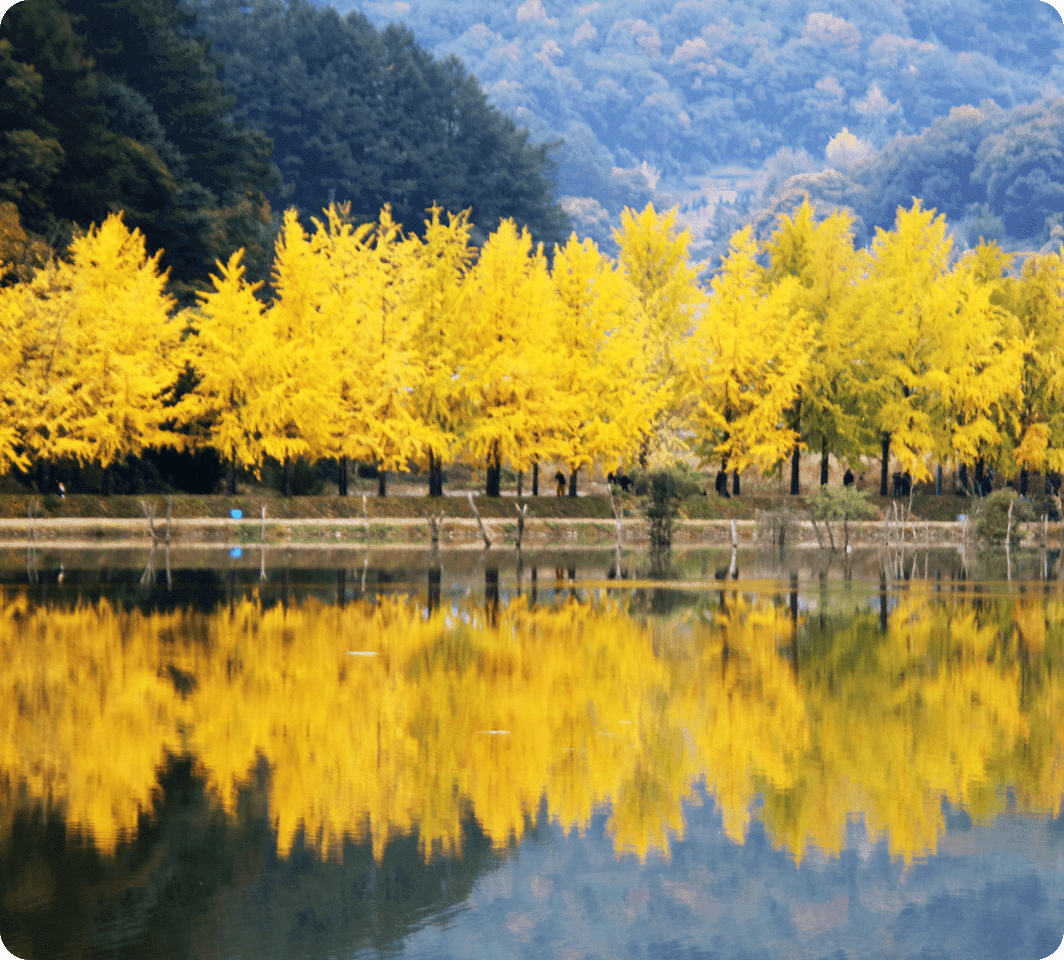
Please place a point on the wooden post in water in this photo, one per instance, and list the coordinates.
(1008, 543)
(480, 523)
(435, 526)
(149, 512)
(522, 512)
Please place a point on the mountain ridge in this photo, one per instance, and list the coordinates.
(696, 102)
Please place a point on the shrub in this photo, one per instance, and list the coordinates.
(682, 480)
(664, 489)
(992, 520)
(832, 504)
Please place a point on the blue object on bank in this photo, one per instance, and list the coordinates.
(236, 552)
(236, 514)
(961, 517)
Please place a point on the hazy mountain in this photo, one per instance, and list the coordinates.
(699, 100)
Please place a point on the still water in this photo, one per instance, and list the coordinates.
(296, 755)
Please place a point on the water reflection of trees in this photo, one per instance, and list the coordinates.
(384, 721)
(193, 881)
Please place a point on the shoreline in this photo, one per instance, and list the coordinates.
(463, 532)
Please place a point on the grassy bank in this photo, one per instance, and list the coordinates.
(591, 507)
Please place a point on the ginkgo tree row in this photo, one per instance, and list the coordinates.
(390, 348)
(900, 349)
(375, 346)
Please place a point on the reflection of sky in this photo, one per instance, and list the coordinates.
(995, 892)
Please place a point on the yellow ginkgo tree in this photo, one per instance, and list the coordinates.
(821, 256)
(436, 297)
(98, 351)
(604, 404)
(505, 366)
(904, 327)
(665, 300)
(745, 364)
(976, 368)
(228, 344)
(1035, 299)
(296, 382)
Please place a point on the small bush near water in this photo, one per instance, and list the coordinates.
(832, 504)
(992, 520)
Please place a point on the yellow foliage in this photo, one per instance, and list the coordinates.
(91, 352)
(665, 303)
(229, 344)
(505, 368)
(905, 267)
(377, 720)
(604, 402)
(746, 362)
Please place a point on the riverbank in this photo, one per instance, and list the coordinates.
(547, 521)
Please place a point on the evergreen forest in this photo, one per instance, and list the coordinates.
(126, 105)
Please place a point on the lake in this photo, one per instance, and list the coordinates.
(292, 754)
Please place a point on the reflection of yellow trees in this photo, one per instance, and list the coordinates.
(87, 718)
(380, 720)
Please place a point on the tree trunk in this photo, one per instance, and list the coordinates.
(435, 475)
(341, 471)
(823, 461)
(494, 471)
(796, 456)
(491, 594)
(286, 477)
(44, 475)
(535, 478)
(735, 483)
(1023, 481)
(230, 478)
(382, 481)
(885, 466)
(572, 482)
(105, 482)
(520, 478)
(435, 590)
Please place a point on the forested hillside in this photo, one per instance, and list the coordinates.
(124, 111)
(202, 133)
(370, 117)
(696, 99)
